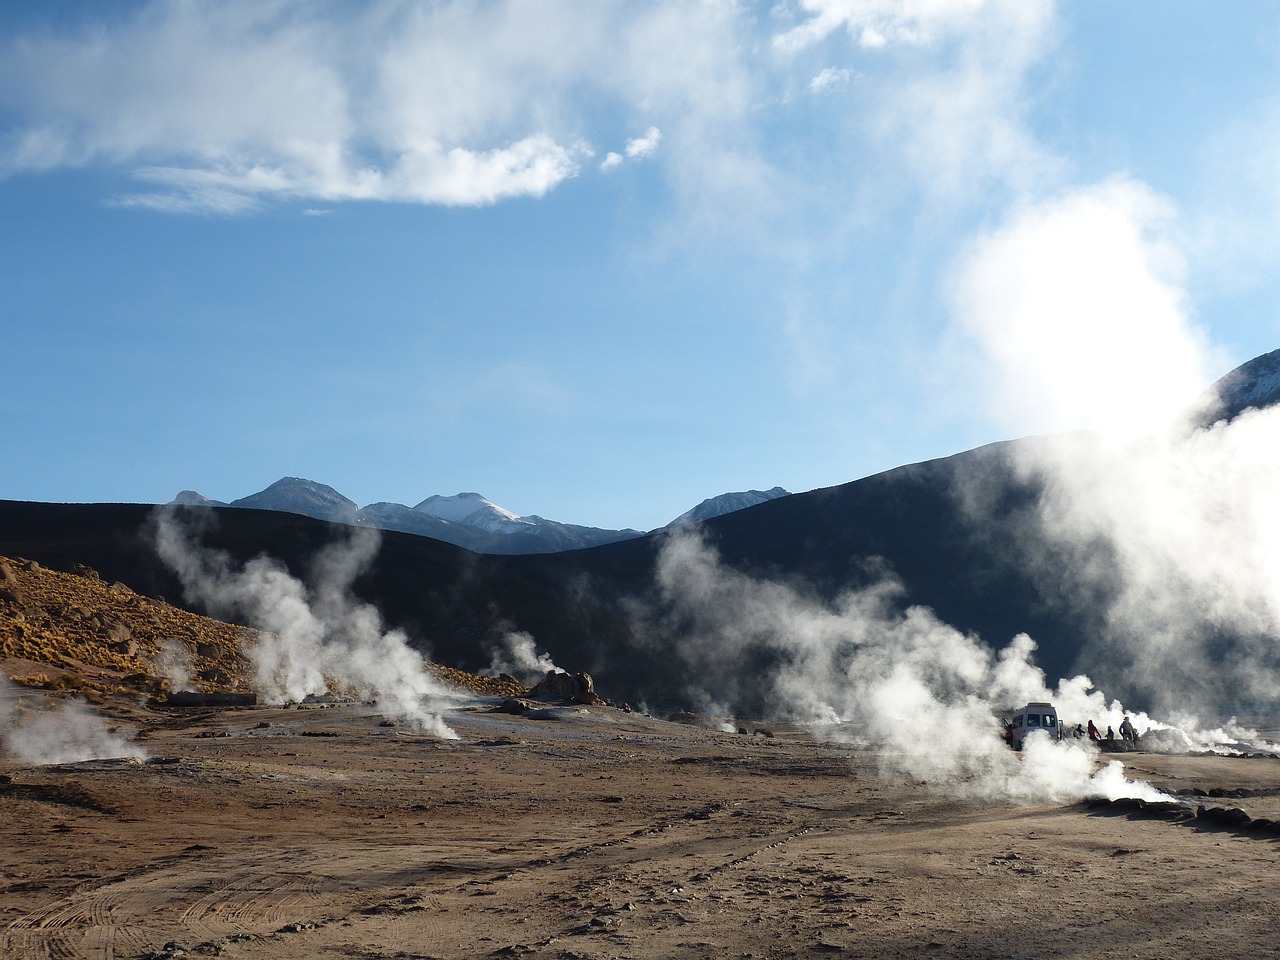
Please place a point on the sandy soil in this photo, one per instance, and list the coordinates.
(318, 832)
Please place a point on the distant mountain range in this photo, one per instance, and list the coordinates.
(603, 609)
(465, 520)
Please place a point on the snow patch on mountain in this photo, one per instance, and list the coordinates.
(396, 516)
(476, 511)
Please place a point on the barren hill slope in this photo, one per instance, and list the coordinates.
(77, 632)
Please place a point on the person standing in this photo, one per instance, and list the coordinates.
(1127, 733)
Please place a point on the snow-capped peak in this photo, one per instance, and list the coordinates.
(473, 510)
(468, 520)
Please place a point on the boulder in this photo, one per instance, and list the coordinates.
(513, 705)
(558, 685)
(216, 676)
(117, 631)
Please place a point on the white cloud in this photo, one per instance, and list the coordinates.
(644, 146)
(872, 38)
(881, 23)
(1077, 308)
(829, 79)
(636, 147)
(951, 95)
(224, 107)
(460, 177)
(217, 108)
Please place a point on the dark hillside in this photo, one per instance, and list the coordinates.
(576, 604)
(908, 522)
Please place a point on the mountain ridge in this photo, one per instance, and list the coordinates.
(469, 520)
(606, 609)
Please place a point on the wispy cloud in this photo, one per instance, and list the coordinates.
(645, 145)
(953, 98)
(221, 108)
(881, 23)
(636, 147)
(829, 79)
(218, 108)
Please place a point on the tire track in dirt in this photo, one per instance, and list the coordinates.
(100, 925)
(606, 892)
(200, 901)
(230, 895)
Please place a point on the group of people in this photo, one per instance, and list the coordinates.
(1128, 732)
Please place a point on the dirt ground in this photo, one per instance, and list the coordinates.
(272, 833)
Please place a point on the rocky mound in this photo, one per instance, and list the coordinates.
(501, 686)
(76, 632)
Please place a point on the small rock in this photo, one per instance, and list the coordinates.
(86, 571)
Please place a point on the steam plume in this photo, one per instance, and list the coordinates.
(925, 693)
(1157, 530)
(311, 635)
(176, 666)
(1174, 532)
(69, 733)
(519, 657)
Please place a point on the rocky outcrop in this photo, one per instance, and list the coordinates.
(77, 631)
(574, 687)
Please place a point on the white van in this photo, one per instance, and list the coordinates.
(1032, 718)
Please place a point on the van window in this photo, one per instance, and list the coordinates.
(1017, 721)
(1033, 719)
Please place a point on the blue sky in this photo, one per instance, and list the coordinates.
(601, 261)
